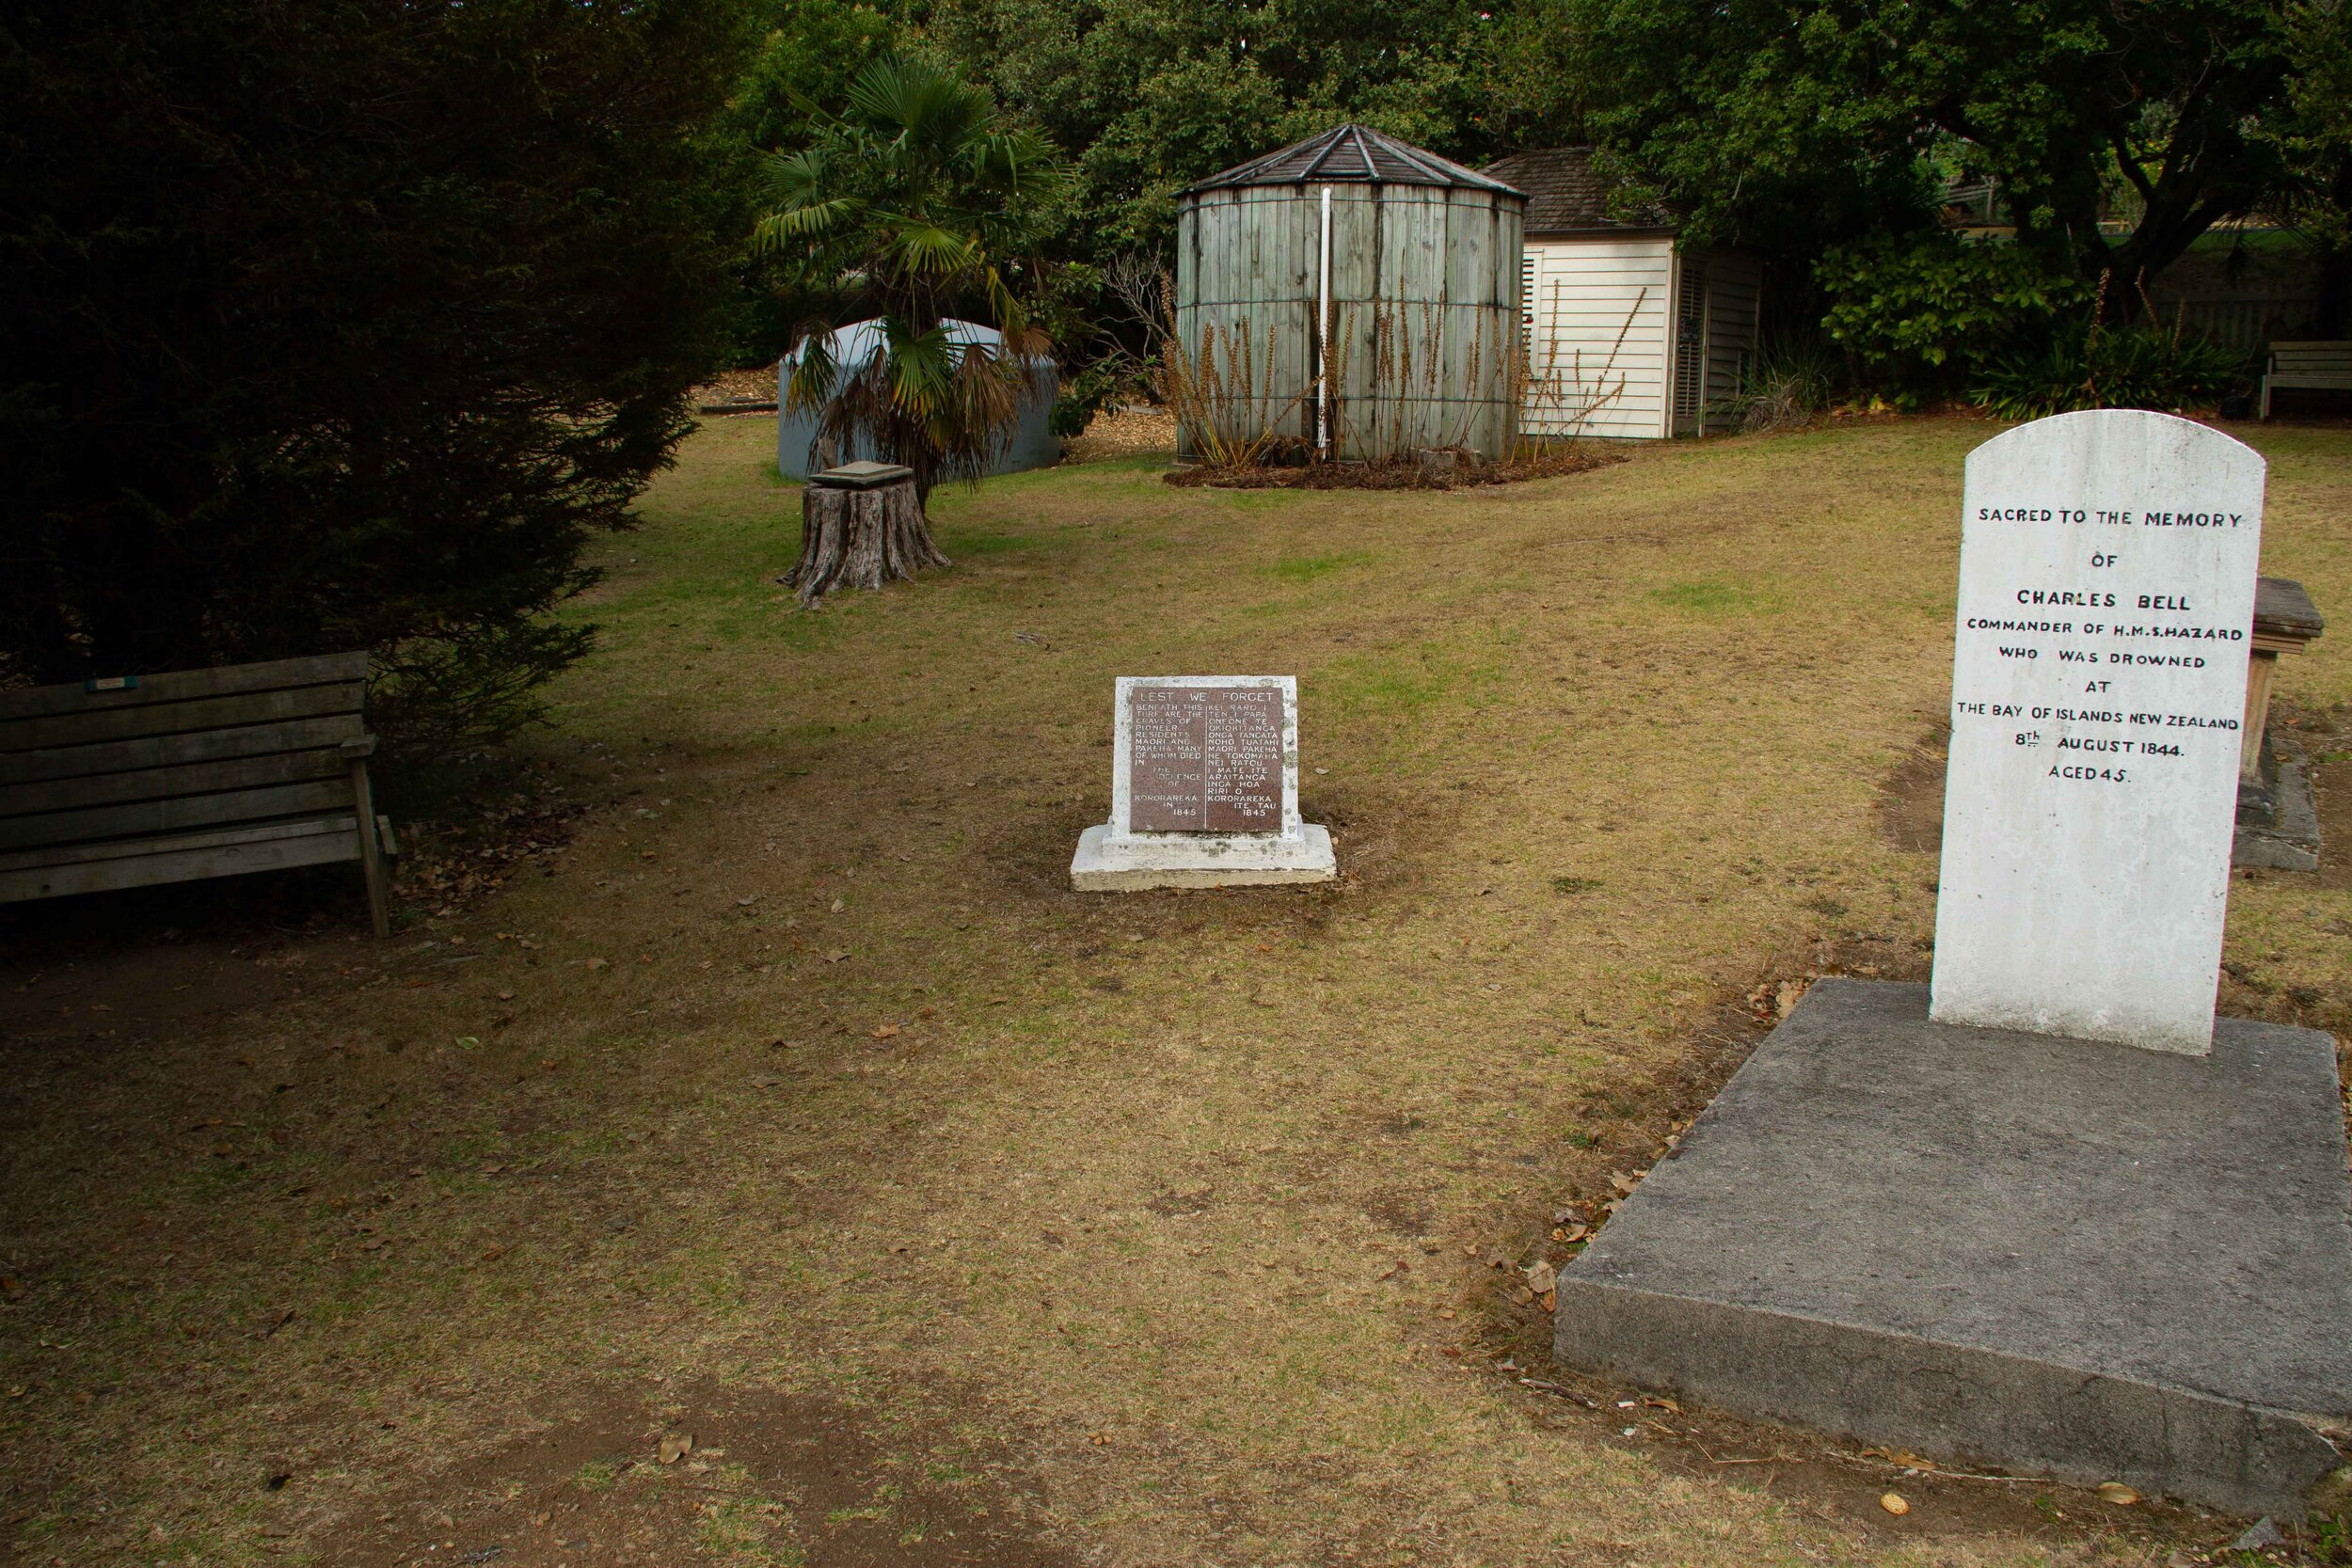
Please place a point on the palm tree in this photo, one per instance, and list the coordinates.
(920, 203)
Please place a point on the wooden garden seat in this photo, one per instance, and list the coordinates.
(172, 778)
(2326, 366)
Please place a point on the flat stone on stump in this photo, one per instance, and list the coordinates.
(861, 475)
(2002, 1250)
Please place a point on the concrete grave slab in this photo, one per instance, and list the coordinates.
(2284, 837)
(2003, 1250)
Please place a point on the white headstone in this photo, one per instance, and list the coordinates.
(1204, 788)
(2106, 595)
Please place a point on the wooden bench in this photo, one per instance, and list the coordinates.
(172, 778)
(2323, 366)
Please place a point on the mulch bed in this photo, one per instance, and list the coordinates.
(1397, 474)
(747, 392)
(1128, 431)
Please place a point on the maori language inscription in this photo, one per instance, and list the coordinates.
(1205, 759)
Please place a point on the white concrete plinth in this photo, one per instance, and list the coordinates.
(1109, 862)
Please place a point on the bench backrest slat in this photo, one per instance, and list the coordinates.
(2311, 355)
(178, 814)
(179, 686)
(196, 713)
(173, 751)
(162, 784)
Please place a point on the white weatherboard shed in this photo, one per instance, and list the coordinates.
(1626, 336)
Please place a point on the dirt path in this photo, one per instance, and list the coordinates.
(796, 1105)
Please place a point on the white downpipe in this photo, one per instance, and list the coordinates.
(1323, 334)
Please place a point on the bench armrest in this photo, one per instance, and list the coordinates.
(353, 750)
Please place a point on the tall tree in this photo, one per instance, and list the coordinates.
(2115, 134)
(1150, 95)
(2317, 147)
(344, 323)
(917, 203)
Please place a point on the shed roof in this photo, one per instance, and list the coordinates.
(1566, 195)
(1350, 154)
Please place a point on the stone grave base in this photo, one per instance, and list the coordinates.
(1104, 865)
(2002, 1251)
(2278, 830)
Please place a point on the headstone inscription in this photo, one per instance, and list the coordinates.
(1205, 759)
(1204, 788)
(2107, 583)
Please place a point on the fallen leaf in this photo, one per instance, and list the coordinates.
(745, 901)
(1539, 1276)
(1893, 1502)
(598, 963)
(675, 1446)
(2117, 1492)
(1656, 1402)
(837, 955)
(836, 906)
(506, 996)
(888, 1031)
(1445, 1311)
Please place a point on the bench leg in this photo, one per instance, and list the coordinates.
(2266, 410)
(371, 852)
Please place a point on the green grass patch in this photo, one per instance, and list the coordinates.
(1306, 568)
(1709, 596)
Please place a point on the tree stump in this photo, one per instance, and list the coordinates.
(860, 526)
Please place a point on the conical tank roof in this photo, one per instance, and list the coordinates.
(1350, 155)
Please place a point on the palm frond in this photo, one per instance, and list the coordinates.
(814, 371)
(917, 202)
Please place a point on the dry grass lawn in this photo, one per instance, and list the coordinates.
(798, 1105)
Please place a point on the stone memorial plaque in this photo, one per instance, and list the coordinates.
(1205, 759)
(2107, 586)
(1204, 789)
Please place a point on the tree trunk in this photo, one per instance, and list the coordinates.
(859, 538)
